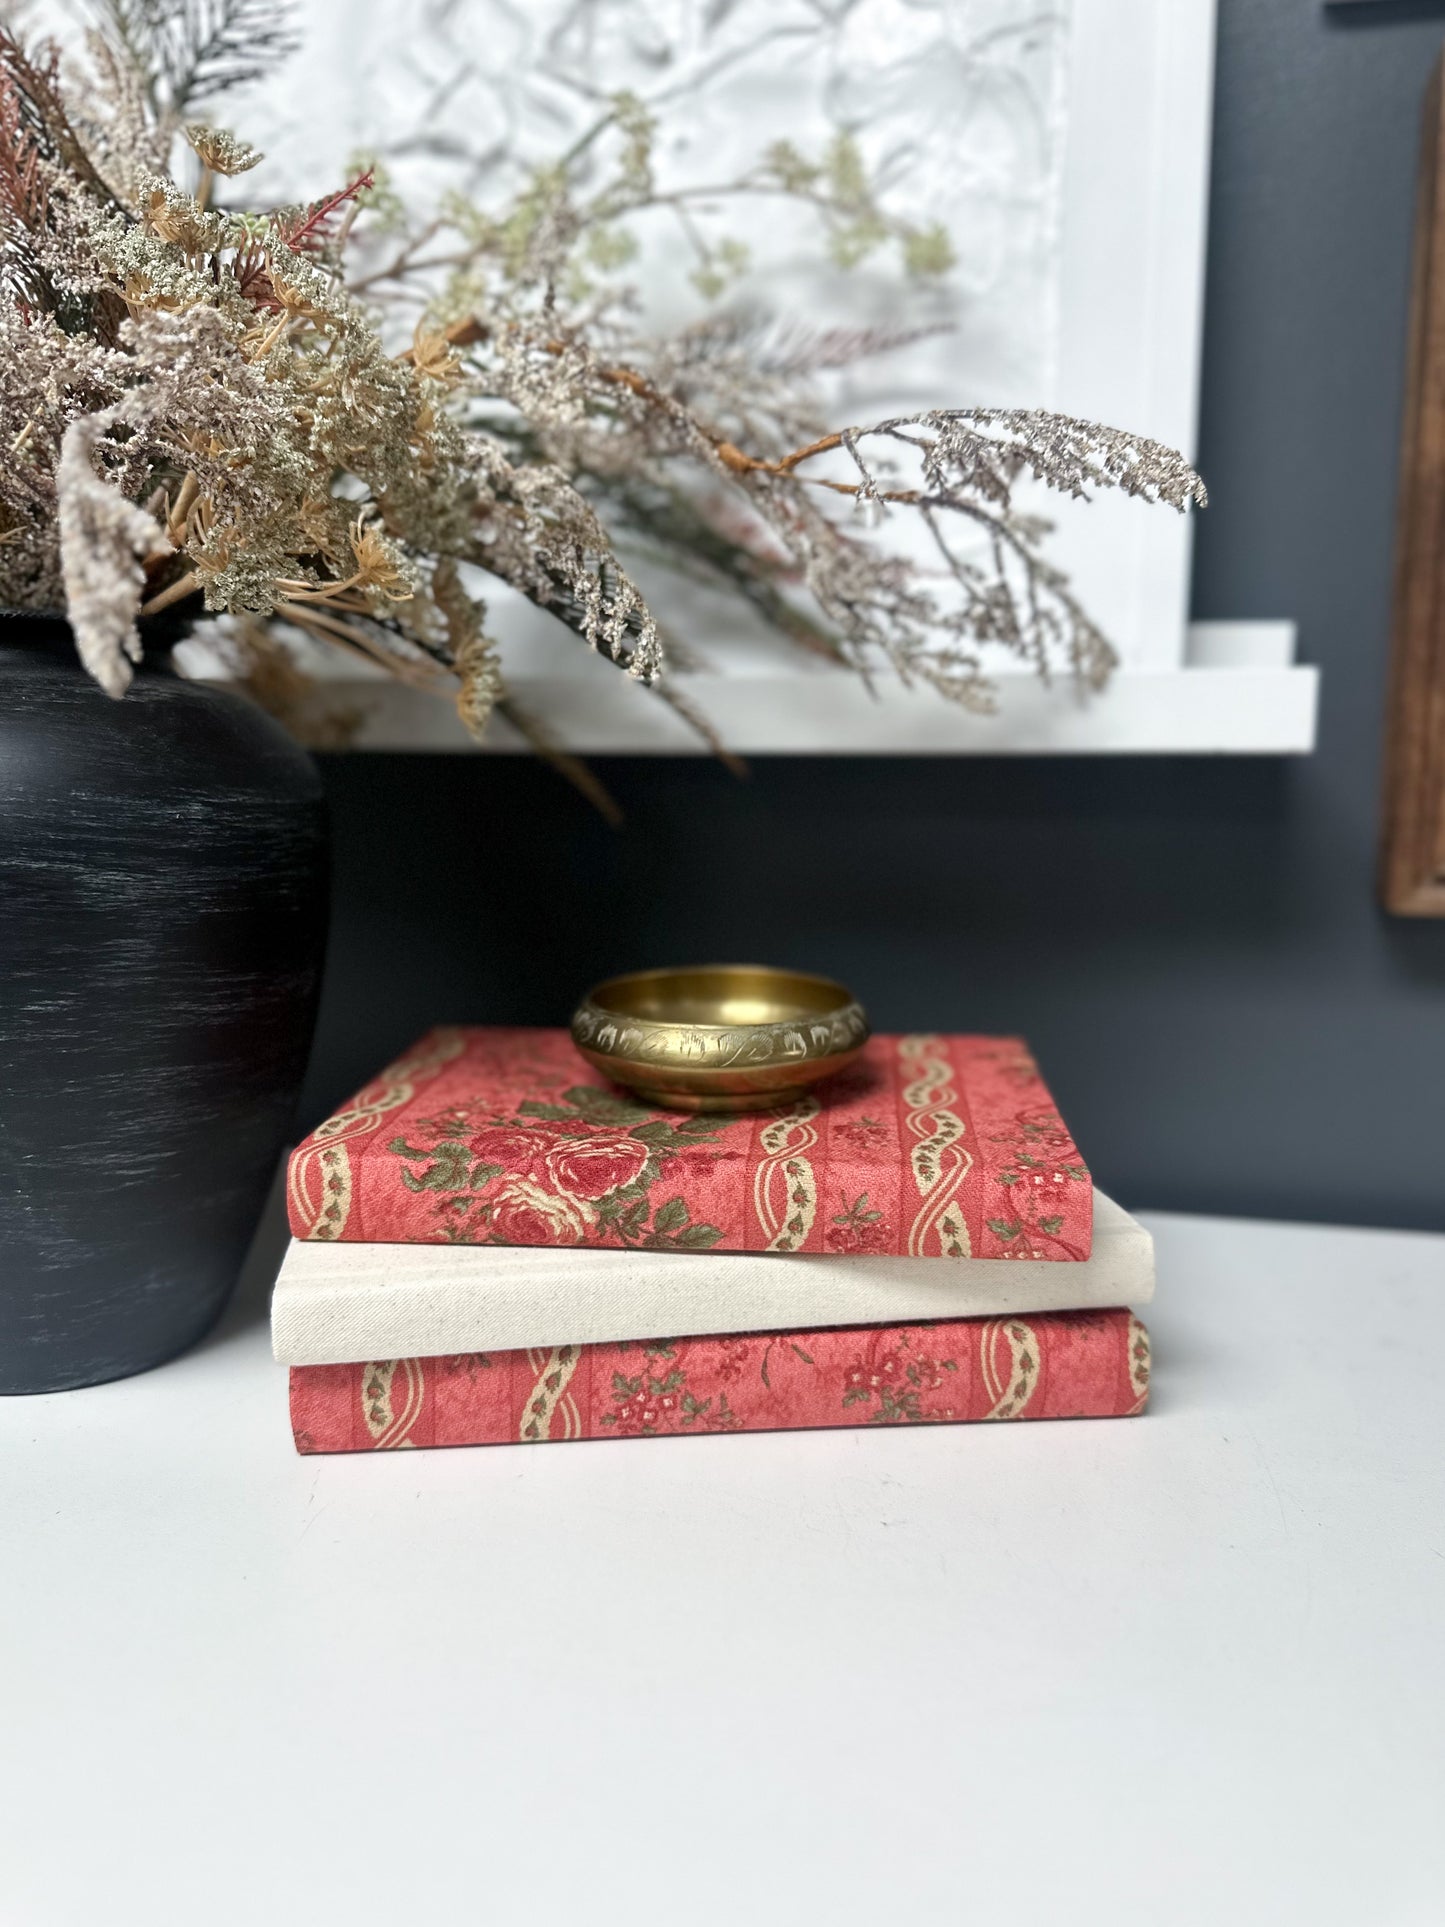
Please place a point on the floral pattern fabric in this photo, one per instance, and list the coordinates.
(1091, 1364)
(929, 1146)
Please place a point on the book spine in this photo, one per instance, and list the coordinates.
(1092, 1364)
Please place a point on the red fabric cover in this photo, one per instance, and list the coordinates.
(930, 1146)
(1090, 1364)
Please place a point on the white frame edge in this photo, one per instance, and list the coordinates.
(1244, 698)
(1134, 220)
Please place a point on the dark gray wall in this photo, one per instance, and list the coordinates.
(1192, 946)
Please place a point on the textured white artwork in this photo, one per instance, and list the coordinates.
(957, 108)
(956, 105)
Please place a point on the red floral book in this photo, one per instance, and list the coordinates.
(1090, 1364)
(930, 1146)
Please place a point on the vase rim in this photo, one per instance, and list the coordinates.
(34, 615)
(51, 628)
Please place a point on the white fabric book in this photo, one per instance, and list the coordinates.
(340, 1304)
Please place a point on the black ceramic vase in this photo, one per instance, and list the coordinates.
(163, 895)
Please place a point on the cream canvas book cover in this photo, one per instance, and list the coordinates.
(336, 1304)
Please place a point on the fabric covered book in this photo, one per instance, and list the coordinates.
(928, 1147)
(1092, 1364)
(338, 1302)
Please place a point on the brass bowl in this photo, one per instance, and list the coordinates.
(719, 1037)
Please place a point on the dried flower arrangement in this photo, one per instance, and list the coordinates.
(207, 407)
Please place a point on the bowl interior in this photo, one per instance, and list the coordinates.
(720, 994)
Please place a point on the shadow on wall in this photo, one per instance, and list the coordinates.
(1380, 13)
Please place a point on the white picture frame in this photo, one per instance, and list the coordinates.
(1133, 204)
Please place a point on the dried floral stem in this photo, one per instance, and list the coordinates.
(188, 585)
(404, 262)
(181, 508)
(742, 464)
(164, 360)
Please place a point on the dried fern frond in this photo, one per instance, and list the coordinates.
(24, 183)
(789, 349)
(472, 653)
(41, 160)
(189, 51)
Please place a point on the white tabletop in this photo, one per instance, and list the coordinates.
(1186, 1668)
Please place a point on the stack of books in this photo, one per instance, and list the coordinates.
(490, 1245)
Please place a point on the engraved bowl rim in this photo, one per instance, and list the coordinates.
(847, 1003)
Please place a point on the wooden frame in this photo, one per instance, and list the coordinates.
(1412, 860)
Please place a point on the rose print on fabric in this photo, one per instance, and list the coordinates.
(606, 1161)
(862, 1133)
(659, 1400)
(1037, 1177)
(520, 1150)
(520, 1212)
(578, 1171)
(900, 1379)
(857, 1228)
